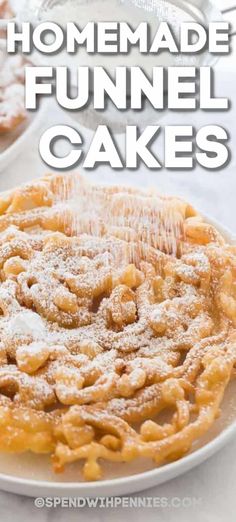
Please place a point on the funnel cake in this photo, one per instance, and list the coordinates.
(12, 110)
(118, 318)
(5, 9)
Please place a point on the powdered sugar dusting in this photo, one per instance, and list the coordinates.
(27, 323)
(101, 328)
(12, 109)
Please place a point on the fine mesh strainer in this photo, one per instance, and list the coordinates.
(202, 11)
(172, 11)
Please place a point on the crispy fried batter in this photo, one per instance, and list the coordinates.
(109, 326)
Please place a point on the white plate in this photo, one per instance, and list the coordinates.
(31, 475)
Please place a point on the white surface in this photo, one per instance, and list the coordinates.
(213, 193)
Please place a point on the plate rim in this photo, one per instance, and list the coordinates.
(196, 457)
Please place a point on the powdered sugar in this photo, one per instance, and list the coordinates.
(12, 110)
(27, 323)
(102, 331)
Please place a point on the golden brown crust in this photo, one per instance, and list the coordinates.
(124, 328)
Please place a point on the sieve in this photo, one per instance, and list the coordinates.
(171, 11)
(201, 11)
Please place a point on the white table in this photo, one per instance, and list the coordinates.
(213, 193)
